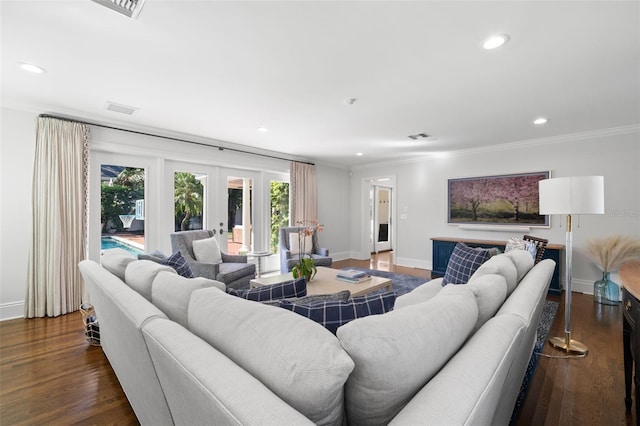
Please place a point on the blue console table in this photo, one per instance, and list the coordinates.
(443, 247)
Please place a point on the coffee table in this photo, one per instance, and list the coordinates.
(325, 282)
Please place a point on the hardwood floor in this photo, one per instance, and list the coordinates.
(50, 375)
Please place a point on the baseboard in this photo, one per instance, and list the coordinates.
(413, 263)
(11, 310)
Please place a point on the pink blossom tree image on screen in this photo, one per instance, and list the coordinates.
(508, 199)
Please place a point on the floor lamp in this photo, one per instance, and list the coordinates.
(571, 196)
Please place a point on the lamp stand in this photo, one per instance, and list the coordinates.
(566, 343)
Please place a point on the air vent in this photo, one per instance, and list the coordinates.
(123, 109)
(418, 136)
(129, 8)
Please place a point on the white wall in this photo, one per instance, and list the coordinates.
(333, 210)
(17, 150)
(421, 193)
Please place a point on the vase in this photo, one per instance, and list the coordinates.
(605, 291)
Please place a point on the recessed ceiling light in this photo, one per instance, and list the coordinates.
(32, 68)
(540, 121)
(495, 41)
(359, 154)
(263, 129)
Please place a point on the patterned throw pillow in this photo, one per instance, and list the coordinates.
(463, 263)
(293, 288)
(179, 263)
(332, 315)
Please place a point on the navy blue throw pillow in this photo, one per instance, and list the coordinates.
(293, 288)
(463, 263)
(179, 263)
(333, 314)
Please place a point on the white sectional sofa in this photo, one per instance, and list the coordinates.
(188, 353)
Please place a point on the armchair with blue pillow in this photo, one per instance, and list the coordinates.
(203, 255)
(289, 253)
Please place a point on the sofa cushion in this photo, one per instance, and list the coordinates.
(299, 360)
(207, 250)
(292, 288)
(333, 314)
(115, 260)
(140, 274)
(156, 256)
(521, 261)
(500, 265)
(171, 292)
(464, 261)
(397, 353)
(490, 291)
(420, 294)
(179, 264)
(229, 272)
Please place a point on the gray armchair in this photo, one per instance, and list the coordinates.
(234, 270)
(288, 260)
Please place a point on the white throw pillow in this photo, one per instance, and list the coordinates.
(305, 243)
(207, 250)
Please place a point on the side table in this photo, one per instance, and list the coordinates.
(259, 255)
(630, 277)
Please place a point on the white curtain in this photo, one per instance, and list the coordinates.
(58, 240)
(304, 193)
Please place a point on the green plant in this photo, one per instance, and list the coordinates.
(188, 197)
(306, 267)
(279, 211)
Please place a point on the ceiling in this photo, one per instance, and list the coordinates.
(221, 70)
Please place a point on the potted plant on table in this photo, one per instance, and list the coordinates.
(305, 267)
(608, 254)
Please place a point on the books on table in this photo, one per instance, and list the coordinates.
(352, 276)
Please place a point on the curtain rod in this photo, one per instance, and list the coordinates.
(221, 148)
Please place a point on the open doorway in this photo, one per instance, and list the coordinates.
(381, 202)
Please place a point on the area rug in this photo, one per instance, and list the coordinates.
(401, 283)
(544, 325)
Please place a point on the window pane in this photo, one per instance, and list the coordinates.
(189, 205)
(122, 207)
(279, 211)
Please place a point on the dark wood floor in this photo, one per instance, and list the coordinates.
(49, 375)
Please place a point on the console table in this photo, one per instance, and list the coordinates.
(443, 247)
(630, 277)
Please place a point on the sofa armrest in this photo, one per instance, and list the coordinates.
(206, 270)
(234, 258)
(323, 252)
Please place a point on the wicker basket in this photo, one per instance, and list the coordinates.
(90, 322)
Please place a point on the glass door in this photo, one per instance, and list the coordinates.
(240, 223)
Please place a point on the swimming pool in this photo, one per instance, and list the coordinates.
(111, 242)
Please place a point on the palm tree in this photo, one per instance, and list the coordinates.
(188, 194)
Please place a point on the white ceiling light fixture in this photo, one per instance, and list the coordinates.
(495, 41)
(35, 69)
(263, 129)
(540, 121)
(128, 8)
(359, 154)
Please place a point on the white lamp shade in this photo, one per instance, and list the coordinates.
(572, 195)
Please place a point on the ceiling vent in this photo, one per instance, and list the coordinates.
(129, 8)
(123, 109)
(418, 136)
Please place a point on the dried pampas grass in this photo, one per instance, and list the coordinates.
(611, 252)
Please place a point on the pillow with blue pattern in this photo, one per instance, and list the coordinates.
(292, 288)
(179, 263)
(333, 314)
(463, 263)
